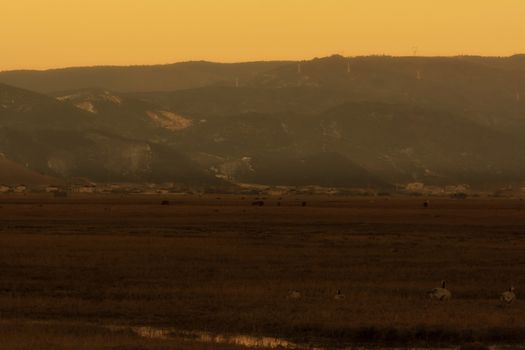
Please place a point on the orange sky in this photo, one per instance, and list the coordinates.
(58, 33)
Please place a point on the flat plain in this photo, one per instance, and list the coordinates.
(72, 268)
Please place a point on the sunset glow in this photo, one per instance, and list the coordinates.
(58, 33)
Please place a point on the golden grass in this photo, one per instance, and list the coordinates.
(222, 265)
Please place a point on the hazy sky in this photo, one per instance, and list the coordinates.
(57, 33)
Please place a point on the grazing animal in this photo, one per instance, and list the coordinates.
(258, 203)
(508, 296)
(303, 204)
(165, 202)
(440, 293)
(425, 204)
(293, 294)
(339, 295)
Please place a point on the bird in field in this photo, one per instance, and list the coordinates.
(440, 293)
(293, 294)
(339, 295)
(508, 297)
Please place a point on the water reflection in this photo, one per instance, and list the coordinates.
(211, 338)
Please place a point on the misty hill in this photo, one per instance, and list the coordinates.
(223, 100)
(334, 121)
(89, 132)
(125, 115)
(364, 142)
(60, 139)
(489, 91)
(399, 141)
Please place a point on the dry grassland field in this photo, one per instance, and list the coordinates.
(86, 272)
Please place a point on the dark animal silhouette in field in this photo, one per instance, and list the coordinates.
(426, 204)
(304, 204)
(165, 202)
(258, 203)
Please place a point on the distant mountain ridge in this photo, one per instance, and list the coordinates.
(184, 75)
(334, 121)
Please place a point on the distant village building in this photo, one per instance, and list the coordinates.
(86, 189)
(4, 188)
(457, 188)
(83, 186)
(20, 189)
(459, 195)
(51, 189)
(415, 186)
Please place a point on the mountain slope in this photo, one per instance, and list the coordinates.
(405, 142)
(136, 78)
(125, 115)
(56, 138)
(12, 173)
(334, 121)
(355, 144)
(212, 101)
(489, 92)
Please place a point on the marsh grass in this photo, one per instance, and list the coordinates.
(189, 267)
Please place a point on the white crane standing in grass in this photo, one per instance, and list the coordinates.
(440, 293)
(508, 296)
